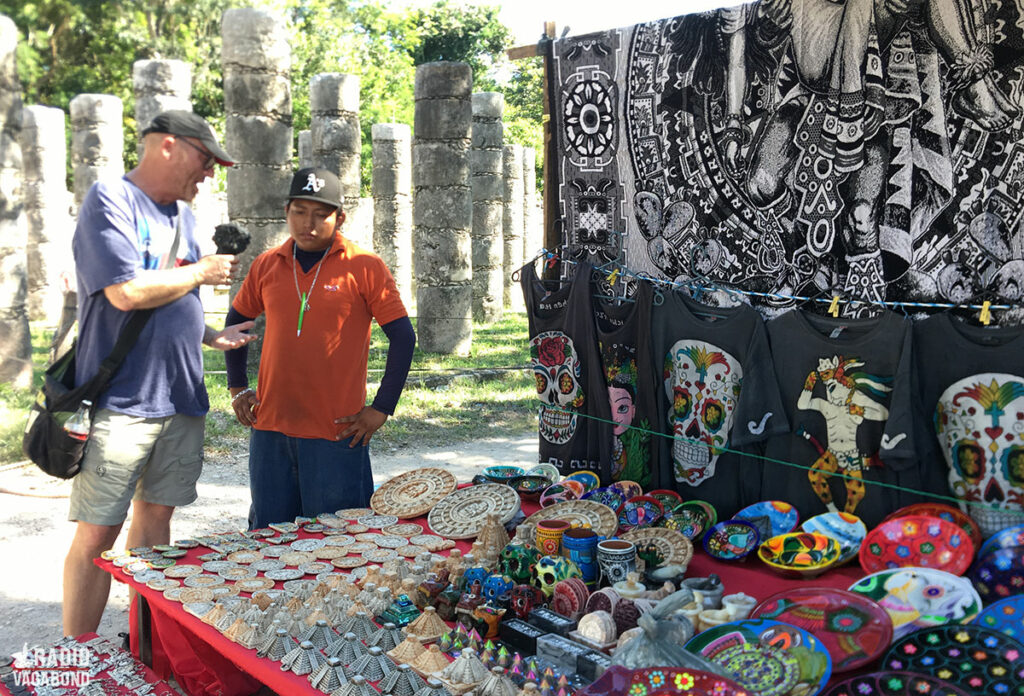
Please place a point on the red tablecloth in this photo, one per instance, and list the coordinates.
(205, 663)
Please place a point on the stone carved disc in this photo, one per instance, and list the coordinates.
(414, 493)
(673, 546)
(462, 514)
(580, 513)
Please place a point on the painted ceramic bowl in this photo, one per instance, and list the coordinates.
(917, 540)
(561, 492)
(529, 486)
(548, 470)
(1007, 538)
(607, 495)
(589, 479)
(1005, 616)
(690, 518)
(799, 554)
(662, 681)
(771, 517)
(629, 488)
(845, 528)
(999, 574)
(731, 540)
(893, 683)
(639, 511)
(502, 473)
(668, 499)
(945, 512)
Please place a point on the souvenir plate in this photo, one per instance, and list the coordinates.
(356, 528)
(182, 571)
(639, 511)
(329, 552)
(501, 473)
(462, 514)
(217, 566)
(731, 540)
(315, 567)
(431, 542)
(223, 590)
(946, 512)
(568, 489)
(370, 537)
(174, 594)
(307, 544)
(774, 658)
(254, 584)
(1009, 537)
(266, 564)
(413, 493)
(673, 546)
(529, 486)
(175, 553)
(285, 574)
(893, 684)
(628, 488)
(668, 498)
(771, 517)
(163, 584)
(203, 580)
(409, 551)
(297, 586)
(348, 562)
(1005, 616)
(690, 519)
(237, 573)
(313, 528)
(284, 527)
(332, 522)
(297, 558)
(589, 479)
(662, 681)
(144, 576)
(387, 541)
(245, 557)
(195, 594)
(361, 546)
(340, 540)
(353, 513)
(799, 554)
(580, 513)
(275, 551)
(405, 529)
(378, 521)
(854, 629)
(186, 543)
(978, 660)
(920, 597)
(917, 540)
(608, 495)
(380, 555)
(1000, 573)
(550, 471)
(845, 528)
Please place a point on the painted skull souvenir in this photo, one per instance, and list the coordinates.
(517, 562)
(525, 598)
(551, 570)
(981, 427)
(473, 575)
(557, 371)
(703, 384)
(495, 586)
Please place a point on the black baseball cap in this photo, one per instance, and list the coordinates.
(189, 125)
(316, 184)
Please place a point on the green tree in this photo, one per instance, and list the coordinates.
(524, 109)
(470, 34)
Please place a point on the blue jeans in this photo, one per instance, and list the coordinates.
(292, 476)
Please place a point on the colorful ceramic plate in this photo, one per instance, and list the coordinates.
(639, 511)
(548, 470)
(674, 548)
(1005, 616)
(561, 492)
(774, 658)
(854, 629)
(731, 540)
(977, 660)
(799, 554)
(999, 574)
(690, 518)
(668, 499)
(589, 479)
(917, 540)
(771, 517)
(1009, 537)
(893, 684)
(661, 681)
(629, 488)
(607, 495)
(529, 486)
(920, 597)
(946, 512)
(845, 528)
(502, 473)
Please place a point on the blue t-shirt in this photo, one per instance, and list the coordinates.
(120, 233)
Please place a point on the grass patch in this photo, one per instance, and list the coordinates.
(14, 403)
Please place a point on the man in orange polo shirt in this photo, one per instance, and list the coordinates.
(311, 426)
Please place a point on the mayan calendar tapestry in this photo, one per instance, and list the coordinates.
(872, 147)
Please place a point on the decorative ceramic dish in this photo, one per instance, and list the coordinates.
(673, 546)
(799, 554)
(893, 684)
(946, 512)
(413, 493)
(690, 519)
(917, 540)
(589, 479)
(462, 514)
(668, 499)
(607, 495)
(628, 488)
(1005, 616)
(731, 540)
(529, 486)
(854, 629)
(771, 517)
(548, 470)
(920, 597)
(1007, 538)
(661, 681)
(502, 473)
(845, 528)
(579, 513)
(639, 511)
(1000, 573)
(561, 492)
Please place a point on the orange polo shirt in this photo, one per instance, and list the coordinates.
(308, 380)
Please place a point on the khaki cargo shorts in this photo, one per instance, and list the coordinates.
(156, 460)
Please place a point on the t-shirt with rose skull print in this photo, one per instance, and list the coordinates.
(716, 395)
(574, 416)
(971, 387)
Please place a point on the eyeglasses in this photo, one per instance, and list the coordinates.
(210, 161)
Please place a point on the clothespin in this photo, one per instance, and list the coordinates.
(833, 308)
(986, 313)
(552, 260)
(613, 277)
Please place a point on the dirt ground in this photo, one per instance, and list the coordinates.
(35, 533)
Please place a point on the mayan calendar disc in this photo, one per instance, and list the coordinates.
(462, 514)
(580, 513)
(412, 494)
(674, 547)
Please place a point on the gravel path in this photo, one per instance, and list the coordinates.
(35, 533)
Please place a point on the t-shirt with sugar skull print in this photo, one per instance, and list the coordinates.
(971, 387)
(574, 418)
(846, 385)
(716, 396)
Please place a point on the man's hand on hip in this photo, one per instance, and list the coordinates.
(363, 425)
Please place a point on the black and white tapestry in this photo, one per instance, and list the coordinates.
(868, 147)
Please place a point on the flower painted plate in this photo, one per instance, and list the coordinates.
(589, 479)
(893, 684)
(920, 597)
(917, 540)
(946, 512)
(854, 629)
(639, 511)
(1011, 536)
(999, 574)
(731, 540)
(978, 660)
(561, 492)
(771, 517)
(607, 495)
(845, 528)
(1005, 616)
(770, 658)
(668, 499)
(629, 488)
(661, 681)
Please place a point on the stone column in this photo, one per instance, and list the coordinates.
(442, 207)
(47, 207)
(488, 186)
(160, 85)
(533, 222)
(97, 140)
(392, 204)
(305, 149)
(334, 124)
(512, 225)
(15, 339)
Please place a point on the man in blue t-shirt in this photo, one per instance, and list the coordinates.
(135, 248)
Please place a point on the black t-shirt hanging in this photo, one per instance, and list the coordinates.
(716, 396)
(847, 388)
(624, 340)
(567, 367)
(971, 386)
